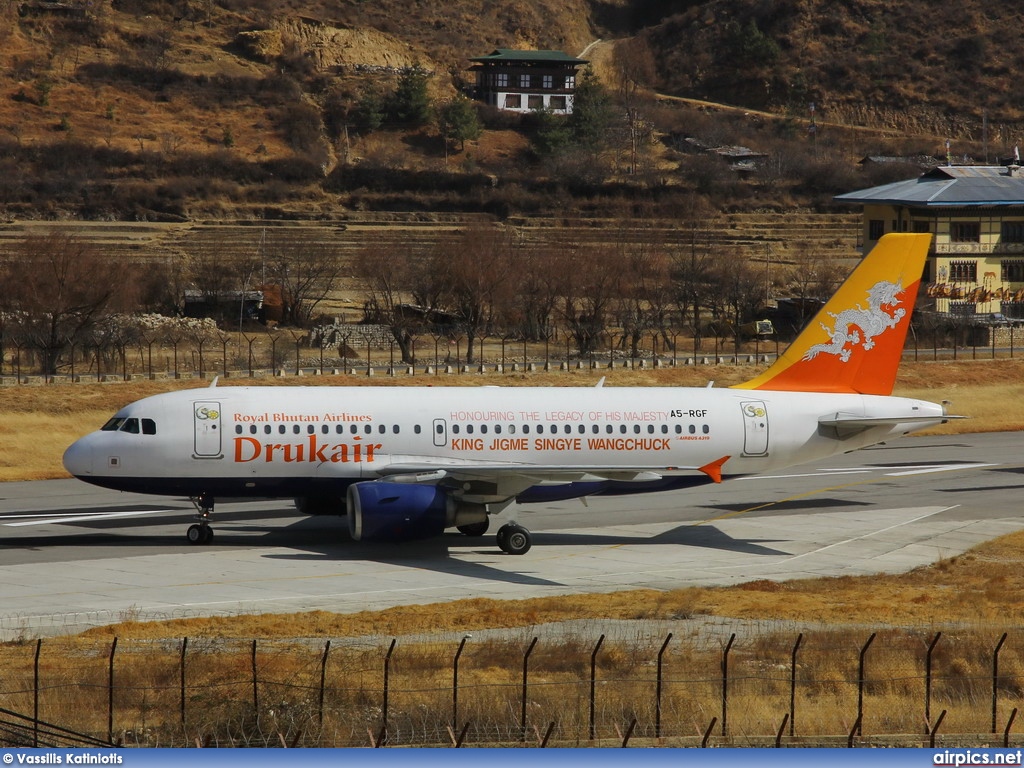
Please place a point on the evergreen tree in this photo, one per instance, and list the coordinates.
(458, 121)
(593, 112)
(410, 104)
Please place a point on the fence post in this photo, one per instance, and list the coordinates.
(323, 680)
(995, 678)
(1009, 725)
(792, 685)
(725, 685)
(860, 685)
(928, 683)
(110, 692)
(455, 683)
(181, 666)
(657, 693)
(526, 664)
(782, 730)
(35, 693)
(593, 687)
(387, 676)
(255, 685)
(931, 735)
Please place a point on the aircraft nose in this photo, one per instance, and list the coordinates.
(78, 458)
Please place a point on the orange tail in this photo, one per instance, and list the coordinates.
(855, 342)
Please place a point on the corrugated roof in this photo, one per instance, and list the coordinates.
(510, 55)
(948, 186)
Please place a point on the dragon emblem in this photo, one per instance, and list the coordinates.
(851, 324)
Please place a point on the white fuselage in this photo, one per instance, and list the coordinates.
(294, 441)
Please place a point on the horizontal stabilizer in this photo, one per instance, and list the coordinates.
(841, 426)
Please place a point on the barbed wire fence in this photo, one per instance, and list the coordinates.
(827, 687)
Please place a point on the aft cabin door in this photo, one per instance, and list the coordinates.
(755, 428)
(206, 416)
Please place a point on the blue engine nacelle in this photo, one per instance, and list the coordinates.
(379, 511)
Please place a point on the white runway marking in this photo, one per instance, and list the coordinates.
(45, 519)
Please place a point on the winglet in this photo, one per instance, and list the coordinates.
(855, 342)
(714, 469)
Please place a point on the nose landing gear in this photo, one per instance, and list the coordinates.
(201, 532)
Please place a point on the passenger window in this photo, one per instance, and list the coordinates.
(280, 429)
(483, 429)
(650, 429)
(693, 430)
(339, 429)
(395, 429)
(622, 428)
(705, 429)
(455, 429)
(526, 429)
(148, 427)
(353, 429)
(497, 429)
(325, 429)
(417, 429)
(368, 428)
(266, 429)
(636, 429)
(382, 429)
(296, 429)
(469, 429)
(252, 429)
(238, 429)
(310, 429)
(608, 428)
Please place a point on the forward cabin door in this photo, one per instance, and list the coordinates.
(206, 418)
(755, 428)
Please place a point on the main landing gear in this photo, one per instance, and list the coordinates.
(201, 532)
(514, 539)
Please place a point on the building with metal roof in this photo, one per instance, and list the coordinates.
(976, 217)
(524, 81)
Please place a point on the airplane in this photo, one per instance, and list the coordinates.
(411, 462)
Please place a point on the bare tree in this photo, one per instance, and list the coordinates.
(56, 287)
(587, 297)
(401, 292)
(477, 274)
(693, 264)
(645, 296)
(307, 272)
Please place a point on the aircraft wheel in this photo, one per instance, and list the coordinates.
(474, 529)
(199, 534)
(514, 539)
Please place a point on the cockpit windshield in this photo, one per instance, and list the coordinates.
(130, 425)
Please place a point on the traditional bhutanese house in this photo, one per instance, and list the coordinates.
(976, 217)
(524, 81)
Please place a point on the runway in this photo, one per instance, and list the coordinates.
(73, 556)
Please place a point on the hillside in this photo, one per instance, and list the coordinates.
(907, 64)
(172, 110)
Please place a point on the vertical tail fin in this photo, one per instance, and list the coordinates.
(855, 342)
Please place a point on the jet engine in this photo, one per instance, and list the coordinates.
(382, 511)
